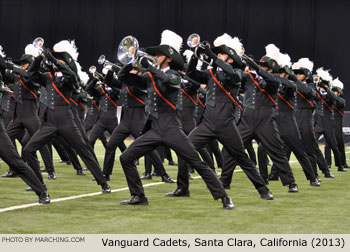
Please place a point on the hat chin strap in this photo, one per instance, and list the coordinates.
(163, 62)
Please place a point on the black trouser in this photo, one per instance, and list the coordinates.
(338, 131)
(218, 123)
(188, 124)
(131, 124)
(26, 117)
(167, 131)
(304, 121)
(251, 152)
(61, 122)
(323, 125)
(259, 123)
(10, 155)
(62, 153)
(214, 150)
(291, 137)
(89, 123)
(105, 122)
(72, 154)
(263, 161)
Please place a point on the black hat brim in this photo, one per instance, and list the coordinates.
(177, 61)
(303, 71)
(229, 51)
(66, 58)
(26, 58)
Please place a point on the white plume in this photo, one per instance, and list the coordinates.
(324, 74)
(84, 77)
(337, 83)
(67, 46)
(2, 53)
(170, 38)
(303, 63)
(224, 39)
(236, 45)
(284, 60)
(272, 51)
(31, 50)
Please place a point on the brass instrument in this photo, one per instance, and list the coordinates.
(316, 79)
(107, 64)
(39, 44)
(194, 41)
(129, 52)
(95, 74)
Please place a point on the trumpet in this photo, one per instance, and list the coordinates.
(95, 74)
(129, 52)
(107, 64)
(39, 44)
(194, 41)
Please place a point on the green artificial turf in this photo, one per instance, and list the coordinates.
(312, 210)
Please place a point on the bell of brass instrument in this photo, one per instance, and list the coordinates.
(194, 41)
(95, 74)
(107, 64)
(128, 52)
(39, 44)
(316, 79)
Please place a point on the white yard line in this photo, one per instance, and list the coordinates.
(12, 208)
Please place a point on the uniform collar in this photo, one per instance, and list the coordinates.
(164, 70)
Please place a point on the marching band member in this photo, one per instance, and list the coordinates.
(133, 96)
(325, 99)
(10, 155)
(338, 109)
(223, 83)
(304, 112)
(163, 126)
(60, 81)
(286, 121)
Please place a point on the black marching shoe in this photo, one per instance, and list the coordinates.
(293, 188)
(52, 176)
(179, 192)
(167, 179)
(147, 176)
(346, 166)
(80, 172)
(63, 161)
(341, 169)
(227, 203)
(10, 174)
(172, 163)
(44, 198)
(106, 188)
(266, 196)
(318, 179)
(328, 175)
(135, 200)
(315, 183)
(190, 176)
(69, 162)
